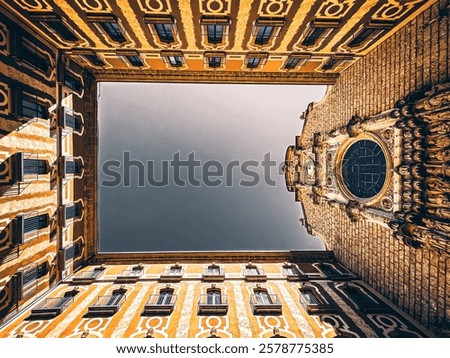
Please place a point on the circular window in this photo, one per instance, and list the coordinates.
(364, 169)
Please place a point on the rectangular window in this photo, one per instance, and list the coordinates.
(164, 298)
(73, 211)
(62, 30)
(113, 30)
(291, 63)
(363, 36)
(34, 166)
(309, 297)
(35, 223)
(214, 33)
(263, 35)
(31, 107)
(134, 60)
(313, 35)
(30, 54)
(73, 167)
(214, 62)
(175, 61)
(330, 64)
(72, 81)
(164, 32)
(253, 62)
(94, 59)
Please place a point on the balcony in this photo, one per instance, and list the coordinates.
(254, 274)
(172, 275)
(130, 276)
(213, 304)
(88, 277)
(314, 304)
(293, 274)
(265, 304)
(213, 273)
(70, 121)
(52, 307)
(69, 213)
(160, 305)
(71, 167)
(107, 305)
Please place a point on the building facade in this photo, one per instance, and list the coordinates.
(387, 66)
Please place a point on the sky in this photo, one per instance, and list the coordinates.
(222, 193)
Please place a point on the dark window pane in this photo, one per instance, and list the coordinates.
(72, 81)
(34, 166)
(135, 61)
(164, 32)
(215, 33)
(291, 63)
(62, 30)
(33, 57)
(310, 297)
(73, 211)
(113, 30)
(31, 108)
(72, 167)
(362, 36)
(175, 61)
(35, 223)
(253, 62)
(331, 64)
(263, 35)
(214, 62)
(313, 35)
(94, 59)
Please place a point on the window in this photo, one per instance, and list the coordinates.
(214, 62)
(215, 33)
(26, 281)
(164, 32)
(364, 169)
(313, 35)
(313, 303)
(174, 273)
(318, 29)
(108, 305)
(363, 300)
(131, 276)
(88, 277)
(265, 29)
(291, 63)
(165, 297)
(72, 81)
(331, 64)
(254, 273)
(70, 120)
(73, 211)
(94, 59)
(30, 53)
(73, 167)
(264, 303)
(213, 273)
(255, 60)
(161, 304)
(35, 223)
(214, 59)
(52, 307)
(213, 302)
(214, 29)
(134, 60)
(162, 26)
(56, 25)
(263, 35)
(34, 166)
(113, 30)
(175, 61)
(31, 107)
(362, 36)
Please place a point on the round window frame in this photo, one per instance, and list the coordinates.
(338, 169)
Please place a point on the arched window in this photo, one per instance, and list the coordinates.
(161, 304)
(264, 303)
(213, 302)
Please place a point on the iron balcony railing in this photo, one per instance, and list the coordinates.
(160, 304)
(314, 305)
(107, 305)
(214, 273)
(130, 275)
(172, 274)
(265, 303)
(213, 303)
(52, 307)
(88, 277)
(254, 274)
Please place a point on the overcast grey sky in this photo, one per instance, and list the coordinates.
(215, 122)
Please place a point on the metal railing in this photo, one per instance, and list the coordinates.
(160, 304)
(213, 303)
(52, 307)
(265, 303)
